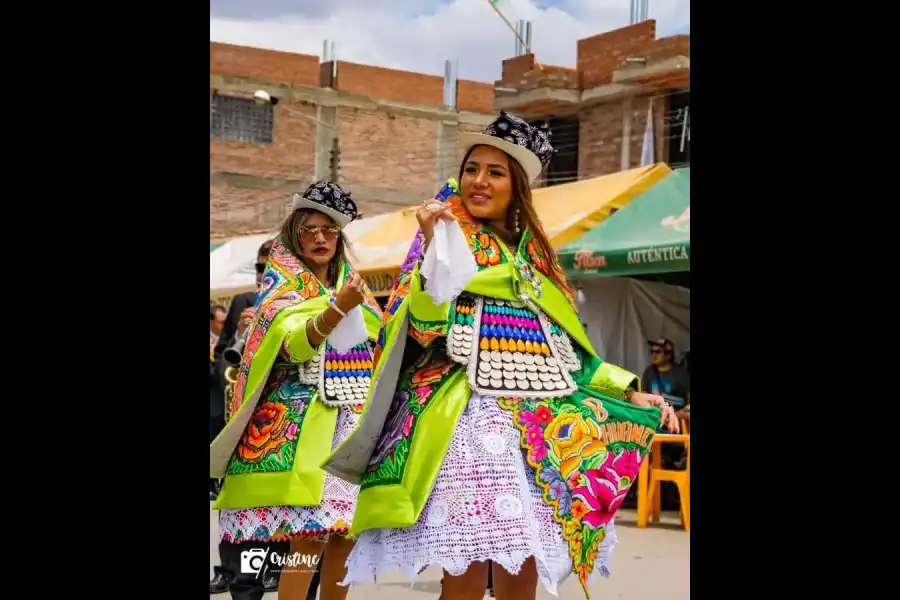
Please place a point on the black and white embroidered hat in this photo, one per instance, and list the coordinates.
(327, 198)
(528, 144)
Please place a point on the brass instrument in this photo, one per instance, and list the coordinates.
(231, 374)
(232, 358)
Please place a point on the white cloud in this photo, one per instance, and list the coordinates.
(384, 34)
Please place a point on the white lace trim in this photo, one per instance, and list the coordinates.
(336, 509)
(484, 506)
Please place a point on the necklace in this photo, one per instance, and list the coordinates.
(527, 273)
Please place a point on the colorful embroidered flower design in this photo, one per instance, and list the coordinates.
(423, 394)
(415, 252)
(394, 426)
(573, 440)
(407, 425)
(539, 451)
(309, 286)
(487, 251)
(606, 486)
(265, 433)
(536, 259)
(431, 372)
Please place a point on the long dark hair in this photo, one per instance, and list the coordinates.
(522, 205)
(290, 237)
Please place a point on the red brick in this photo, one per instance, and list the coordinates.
(265, 65)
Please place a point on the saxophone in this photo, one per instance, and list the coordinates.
(230, 382)
(232, 358)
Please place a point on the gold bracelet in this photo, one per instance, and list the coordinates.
(334, 305)
(316, 327)
(324, 323)
(322, 314)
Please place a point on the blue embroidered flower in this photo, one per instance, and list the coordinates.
(550, 475)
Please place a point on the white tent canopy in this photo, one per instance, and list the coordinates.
(622, 313)
(231, 265)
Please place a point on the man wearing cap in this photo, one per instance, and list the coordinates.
(665, 377)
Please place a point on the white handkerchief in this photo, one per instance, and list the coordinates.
(448, 264)
(350, 332)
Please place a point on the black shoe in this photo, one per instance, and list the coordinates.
(213, 495)
(270, 583)
(218, 585)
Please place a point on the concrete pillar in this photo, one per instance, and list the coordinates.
(447, 152)
(627, 110)
(326, 131)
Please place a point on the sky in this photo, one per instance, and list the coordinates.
(420, 35)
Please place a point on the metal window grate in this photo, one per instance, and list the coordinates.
(240, 120)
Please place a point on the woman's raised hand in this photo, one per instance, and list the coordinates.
(429, 213)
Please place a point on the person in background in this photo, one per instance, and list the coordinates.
(216, 321)
(669, 379)
(240, 312)
(216, 395)
(665, 377)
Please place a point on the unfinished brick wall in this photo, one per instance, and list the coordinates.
(602, 129)
(600, 55)
(265, 65)
(387, 157)
(387, 151)
(408, 86)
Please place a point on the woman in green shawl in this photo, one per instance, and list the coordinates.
(295, 398)
(493, 432)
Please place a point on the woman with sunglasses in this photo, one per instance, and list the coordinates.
(504, 438)
(296, 397)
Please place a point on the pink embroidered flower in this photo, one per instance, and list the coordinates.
(407, 425)
(534, 436)
(605, 487)
(527, 417)
(423, 394)
(291, 432)
(539, 451)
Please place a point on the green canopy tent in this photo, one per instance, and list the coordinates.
(650, 235)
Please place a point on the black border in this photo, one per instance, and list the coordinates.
(762, 371)
(128, 412)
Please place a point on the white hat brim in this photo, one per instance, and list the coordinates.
(525, 157)
(338, 217)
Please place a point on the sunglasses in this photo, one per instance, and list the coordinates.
(657, 351)
(311, 233)
(260, 267)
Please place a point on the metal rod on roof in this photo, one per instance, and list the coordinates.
(513, 29)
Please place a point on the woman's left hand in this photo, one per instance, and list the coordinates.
(667, 413)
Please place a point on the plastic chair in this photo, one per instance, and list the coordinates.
(652, 475)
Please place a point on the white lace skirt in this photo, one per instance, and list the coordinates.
(332, 516)
(484, 506)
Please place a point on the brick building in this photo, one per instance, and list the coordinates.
(397, 140)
